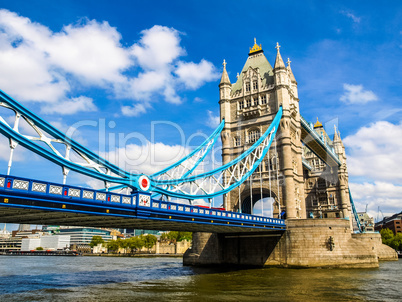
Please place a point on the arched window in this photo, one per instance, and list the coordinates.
(273, 163)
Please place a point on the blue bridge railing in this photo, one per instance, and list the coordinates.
(139, 204)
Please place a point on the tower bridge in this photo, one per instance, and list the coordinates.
(268, 151)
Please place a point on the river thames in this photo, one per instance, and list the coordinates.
(41, 278)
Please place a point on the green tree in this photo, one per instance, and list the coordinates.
(164, 237)
(124, 244)
(96, 240)
(39, 248)
(135, 243)
(149, 240)
(175, 236)
(113, 245)
(396, 242)
(387, 236)
(185, 236)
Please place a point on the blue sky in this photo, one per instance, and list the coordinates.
(129, 64)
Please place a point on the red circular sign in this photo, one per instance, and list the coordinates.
(144, 182)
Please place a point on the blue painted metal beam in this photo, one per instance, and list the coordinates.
(17, 192)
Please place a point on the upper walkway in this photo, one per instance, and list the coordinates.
(317, 145)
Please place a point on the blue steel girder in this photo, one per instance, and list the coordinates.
(31, 201)
(314, 142)
(94, 165)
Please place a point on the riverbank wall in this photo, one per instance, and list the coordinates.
(306, 243)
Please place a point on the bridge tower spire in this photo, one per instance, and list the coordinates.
(224, 101)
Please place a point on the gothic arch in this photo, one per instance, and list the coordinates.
(256, 196)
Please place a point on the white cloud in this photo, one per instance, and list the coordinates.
(45, 66)
(374, 152)
(80, 104)
(194, 75)
(355, 94)
(351, 16)
(384, 195)
(212, 121)
(146, 158)
(91, 51)
(158, 47)
(135, 110)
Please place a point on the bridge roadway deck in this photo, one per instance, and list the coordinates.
(27, 201)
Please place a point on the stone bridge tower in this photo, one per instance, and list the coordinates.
(248, 107)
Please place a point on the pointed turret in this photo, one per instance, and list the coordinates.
(278, 61)
(291, 76)
(337, 137)
(225, 76)
(280, 71)
(225, 87)
(293, 83)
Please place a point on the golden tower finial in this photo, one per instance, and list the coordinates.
(317, 124)
(255, 48)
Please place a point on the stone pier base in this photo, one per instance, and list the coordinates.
(306, 243)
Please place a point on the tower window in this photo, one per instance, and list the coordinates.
(314, 202)
(241, 105)
(248, 103)
(247, 86)
(331, 199)
(255, 85)
(253, 136)
(255, 101)
(263, 99)
(237, 141)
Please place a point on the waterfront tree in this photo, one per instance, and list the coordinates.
(396, 242)
(149, 240)
(175, 236)
(388, 238)
(135, 243)
(124, 244)
(113, 245)
(96, 240)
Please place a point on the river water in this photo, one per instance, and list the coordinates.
(46, 278)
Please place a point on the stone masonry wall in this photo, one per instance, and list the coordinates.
(306, 243)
